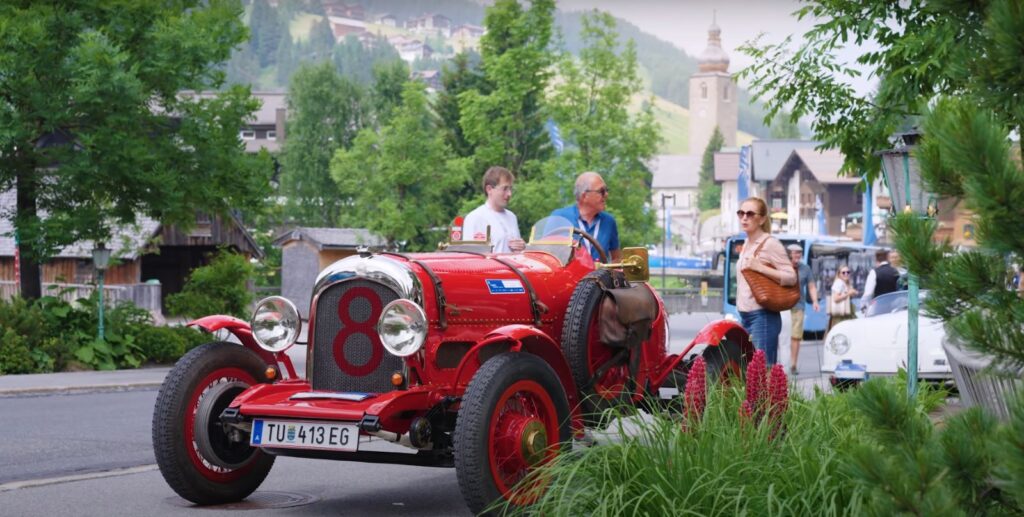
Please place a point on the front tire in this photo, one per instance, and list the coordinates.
(194, 453)
(514, 417)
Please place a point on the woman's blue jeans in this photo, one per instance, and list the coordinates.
(764, 327)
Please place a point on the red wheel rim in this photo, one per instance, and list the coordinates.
(207, 469)
(615, 380)
(523, 411)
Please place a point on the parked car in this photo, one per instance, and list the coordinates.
(876, 343)
(488, 363)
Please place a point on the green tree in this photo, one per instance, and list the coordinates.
(398, 181)
(94, 130)
(267, 29)
(710, 196)
(357, 61)
(590, 103)
(461, 74)
(506, 124)
(326, 112)
(389, 78)
(286, 59)
(926, 49)
(784, 127)
(320, 45)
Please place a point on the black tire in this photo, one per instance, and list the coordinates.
(497, 408)
(207, 468)
(584, 352)
(725, 360)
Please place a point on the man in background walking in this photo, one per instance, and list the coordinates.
(808, 293)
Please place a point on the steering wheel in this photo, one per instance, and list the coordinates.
(593, 242)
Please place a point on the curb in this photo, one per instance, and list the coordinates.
(76, 390)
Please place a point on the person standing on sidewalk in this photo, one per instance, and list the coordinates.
(840, 302)
(883, 279)
(808, 293)
(590, 215)
(766, 255)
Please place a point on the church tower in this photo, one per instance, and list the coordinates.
(712, 96)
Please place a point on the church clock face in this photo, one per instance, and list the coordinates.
(702, 113)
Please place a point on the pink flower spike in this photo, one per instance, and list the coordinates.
(778, 391)
(695, 397)
(756, 384)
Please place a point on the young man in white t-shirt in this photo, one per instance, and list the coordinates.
(495, 213)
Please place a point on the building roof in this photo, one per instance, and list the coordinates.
(125, 242)
(727, 165)
(267, 114)
(825, 165)
(768, 156)
(675, 170)
(331, 238)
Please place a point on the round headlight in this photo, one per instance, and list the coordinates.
(402, 327)
(276, 323)
(839, 344)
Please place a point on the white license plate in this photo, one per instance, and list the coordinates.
(305, 435)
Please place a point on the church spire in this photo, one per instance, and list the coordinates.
(714, 58)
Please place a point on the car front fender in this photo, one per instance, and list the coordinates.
(520, 338)
(241, 330)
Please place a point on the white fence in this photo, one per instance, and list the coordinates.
(145, 296)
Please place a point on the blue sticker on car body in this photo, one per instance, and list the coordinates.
(505, 286)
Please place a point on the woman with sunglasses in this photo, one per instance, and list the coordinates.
(766, 255)
(840, 305)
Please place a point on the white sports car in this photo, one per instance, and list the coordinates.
(876, 343)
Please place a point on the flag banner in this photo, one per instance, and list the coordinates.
(743, 181)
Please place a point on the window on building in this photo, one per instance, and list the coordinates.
(703, 90)
(271, 135)
(247, 134)
(725, 92)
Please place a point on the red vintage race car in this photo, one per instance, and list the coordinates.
(489, 363)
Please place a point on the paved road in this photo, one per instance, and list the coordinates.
(90, 454)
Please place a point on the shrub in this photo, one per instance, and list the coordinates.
(15, 355)
(161, 344)
(222, 287)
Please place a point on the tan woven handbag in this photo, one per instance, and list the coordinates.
(767, 291)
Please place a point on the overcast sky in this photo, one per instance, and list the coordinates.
(685, 23)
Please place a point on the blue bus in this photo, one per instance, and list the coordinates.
(825, 254)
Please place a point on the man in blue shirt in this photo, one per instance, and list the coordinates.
(588, 215)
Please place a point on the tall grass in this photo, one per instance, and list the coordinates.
(722, 465)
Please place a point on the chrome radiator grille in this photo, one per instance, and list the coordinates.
(347, 353)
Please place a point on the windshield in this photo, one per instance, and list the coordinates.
(889, 303)
(552, 235)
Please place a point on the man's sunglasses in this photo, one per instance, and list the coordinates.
(603, 191)
(748, 213)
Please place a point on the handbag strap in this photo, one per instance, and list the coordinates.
(759, 246)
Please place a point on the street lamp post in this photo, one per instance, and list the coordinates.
(909, 196)
(664, 238)
(100, 260)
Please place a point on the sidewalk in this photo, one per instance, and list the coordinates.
(116, 380)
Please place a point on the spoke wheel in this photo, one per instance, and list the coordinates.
(514, 418)
(197, 457)
(601, 372)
